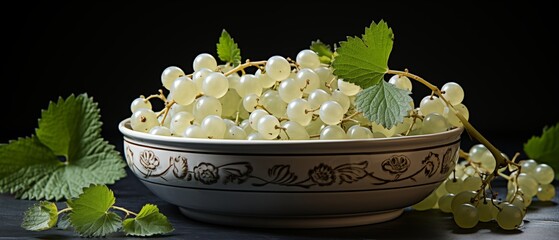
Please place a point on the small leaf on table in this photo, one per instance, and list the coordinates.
(148, 222)
(90, 215)
(41, 216)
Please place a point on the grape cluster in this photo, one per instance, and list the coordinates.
(463, 196)
(282, 100)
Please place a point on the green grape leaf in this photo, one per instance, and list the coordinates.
(148, 222)
(545, 148)
(227, 49)
(384, 104)
(364, 61)
(69, 130)
(41, 216)
(323, 50)
(90, 215)
(64, 221)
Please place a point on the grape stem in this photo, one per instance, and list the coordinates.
(349, 118)
(499, 158)
(128, 212)
(247, 64)
(64, 210)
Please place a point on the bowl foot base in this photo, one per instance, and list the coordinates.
(303, 222)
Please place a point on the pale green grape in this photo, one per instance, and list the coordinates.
(431, 104)
(139, 103)
(546, 192)
(476, 151)
(264, 79)
(434, 123)
(521, 202)
(487, 161)
(452, 118)
(377, 128)
(160, 130)
(307, 59)
(214, 127)
(544, 174)
(278, 68)
(486, 210)
(454, 185)
(331, 112)
(472, 183)
(401, 82)
(230, 104)
(293, 131)
(235, 132)
(255, 116)
(184, 90)
(342, 99)
(177, 108)
(204, 60)
(315, 126)
(268, 126)
(204, 106)
(403, 127)
(250, 102)
(195, 131)
(308, 79)
(169, 75)
(166, 122)
(299, 111)
(332, 132)
(427, 203)
(224, 67)
(347, 88)
(234, 81)
(441, 190)
(215, 85)
(255, 136)
(445, 202)
(143, 120)
(458, 171)
(290, 90)
(461, 198)
(199, 76)
(469, 171)
(510, 217)
(317, 97)
(180, 122)
(528, 166)
(245, 125)
(229, 123)
(272, 102)
(359, 132)
(528, 184)
(465, 215)
(249, 84)
(453, 93)
(326, 77)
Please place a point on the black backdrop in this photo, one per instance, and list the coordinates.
(504, 55)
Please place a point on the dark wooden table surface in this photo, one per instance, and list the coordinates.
(541, 222)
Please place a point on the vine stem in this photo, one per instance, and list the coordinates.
(64, 210)
(241, 67)
(128, 212)
(499, 158)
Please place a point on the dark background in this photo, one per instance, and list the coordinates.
(503, 55)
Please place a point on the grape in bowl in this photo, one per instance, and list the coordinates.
(295, 183)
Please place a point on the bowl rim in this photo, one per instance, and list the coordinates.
(126, 130)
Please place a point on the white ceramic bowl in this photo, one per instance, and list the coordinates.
(291, 184)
